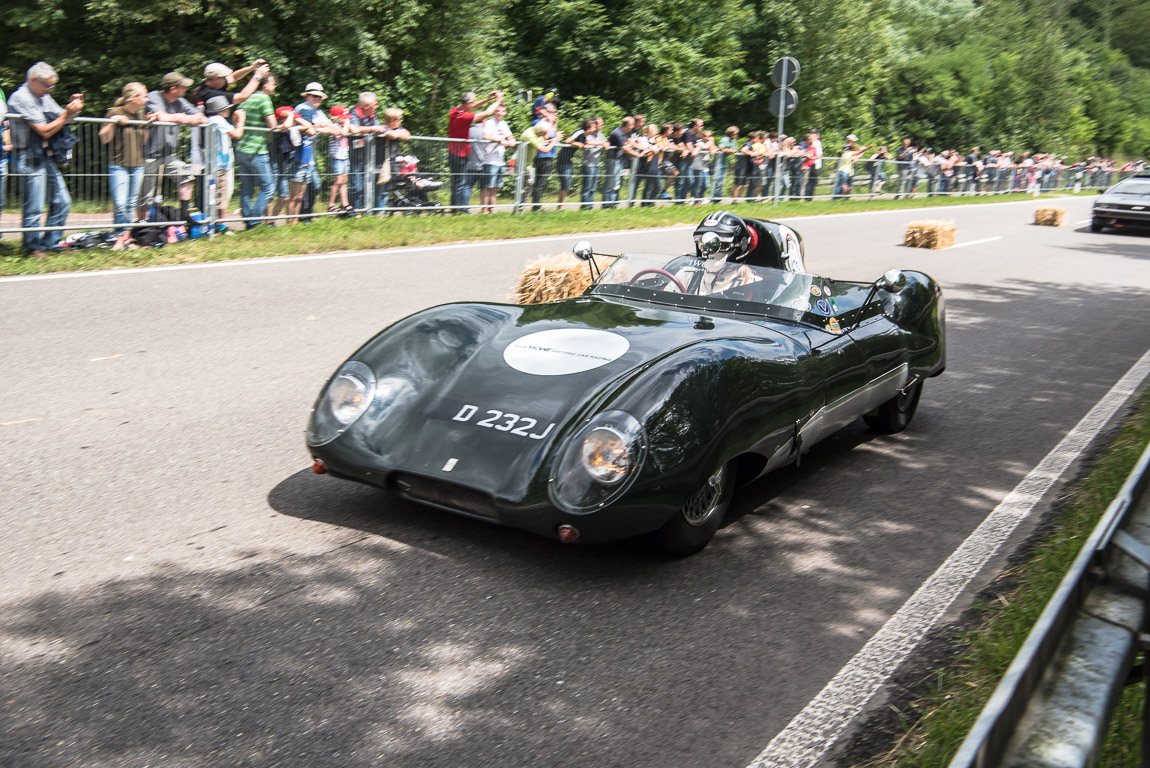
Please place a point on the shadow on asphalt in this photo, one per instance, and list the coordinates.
(436, 640)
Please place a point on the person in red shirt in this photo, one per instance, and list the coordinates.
(459, 121)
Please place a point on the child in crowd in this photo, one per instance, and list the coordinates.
(339, 147)
(219, 110)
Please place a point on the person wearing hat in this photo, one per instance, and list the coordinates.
(309, 110)
(219, 111)
(217, 78)
(167, 105)
(339, 149)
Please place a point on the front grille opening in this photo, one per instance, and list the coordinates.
(443, 494)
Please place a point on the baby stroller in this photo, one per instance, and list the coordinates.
(410, 188)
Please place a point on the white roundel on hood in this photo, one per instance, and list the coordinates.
(563, 351)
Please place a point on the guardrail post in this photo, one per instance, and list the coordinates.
(520, 170)
(369, 172)
(632, 182)
(211, 137)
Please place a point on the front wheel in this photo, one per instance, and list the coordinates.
(894, 415)
(1095, 225)
(695, 524)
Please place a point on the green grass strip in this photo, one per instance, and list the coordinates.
(328, 234)
(942, 717)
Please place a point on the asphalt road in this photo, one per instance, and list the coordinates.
(179, 589)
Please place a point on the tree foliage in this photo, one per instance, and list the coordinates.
(1068, 76)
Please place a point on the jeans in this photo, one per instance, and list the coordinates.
(719, 179)
(685, 182)
(652, 178)
(812, 183)
(612, 178)
(460, 182)
(842, 185)
(254, 169)
(42, 183)
(590, 183)
(543, 166)
(125, 184)
(700, 183)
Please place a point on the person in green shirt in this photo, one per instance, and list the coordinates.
(728, 145)
(253, 163)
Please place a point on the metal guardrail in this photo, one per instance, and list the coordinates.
(88, 181)
(1054, 703)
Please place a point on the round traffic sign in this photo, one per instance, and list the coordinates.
(783, 102)
(785, 72)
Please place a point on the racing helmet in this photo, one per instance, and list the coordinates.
(722, 236)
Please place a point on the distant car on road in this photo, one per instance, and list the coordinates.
(638, 406)
(1127, 203)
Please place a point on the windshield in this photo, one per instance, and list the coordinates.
(709, 286)
(1132, 187)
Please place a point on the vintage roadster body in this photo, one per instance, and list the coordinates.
(634, 408)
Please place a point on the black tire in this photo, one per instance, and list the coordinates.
(894, 415)
(695, 524)
(1095, 225)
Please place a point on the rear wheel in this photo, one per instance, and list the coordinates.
(893, 415)
(696, 523)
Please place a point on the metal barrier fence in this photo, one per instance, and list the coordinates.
(1054, 703)
(429, 186)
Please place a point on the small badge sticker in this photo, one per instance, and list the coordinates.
(801, 305)
(814, 290)
(826, 290)
(823, 306)
(833, 325)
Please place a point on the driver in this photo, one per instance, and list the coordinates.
(723, 241)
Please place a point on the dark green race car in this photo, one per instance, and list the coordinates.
(637, 406)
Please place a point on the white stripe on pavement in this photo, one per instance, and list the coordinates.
(824, 720)
(975, 242)
(571, 238)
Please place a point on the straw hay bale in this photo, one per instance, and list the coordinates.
(930, 234)
(551, 278)
(1049, 217)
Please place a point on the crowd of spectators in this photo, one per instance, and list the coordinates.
(279, 174)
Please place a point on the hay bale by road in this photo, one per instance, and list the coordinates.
(930, 234)
(1049, 217)
(551, 278)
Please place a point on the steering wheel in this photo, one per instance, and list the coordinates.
(682, 288)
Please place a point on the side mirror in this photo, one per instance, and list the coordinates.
(893, 280)
(709, 244)
(582, 250)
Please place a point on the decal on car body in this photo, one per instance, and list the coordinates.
(564, 351)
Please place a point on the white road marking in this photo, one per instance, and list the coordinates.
(22, 421)
(975, 242)
(570, 238)
(824, 720)
(109, 357)
(1084, 221)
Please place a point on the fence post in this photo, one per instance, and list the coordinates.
(369, 197)
(633, 182)
(211, 137)
(520, 170)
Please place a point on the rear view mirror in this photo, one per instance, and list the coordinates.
(893, 280)
(582, 250)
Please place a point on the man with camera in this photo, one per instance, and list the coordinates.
(42, 142)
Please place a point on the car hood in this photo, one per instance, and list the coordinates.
(494, 387)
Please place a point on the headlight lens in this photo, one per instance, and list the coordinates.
(599, 463)
(347, 397)
(606, 455)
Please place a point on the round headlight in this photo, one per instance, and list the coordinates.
(346, 398)
(606, 454)
(598, 463)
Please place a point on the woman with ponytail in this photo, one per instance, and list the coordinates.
(125, 153)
